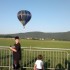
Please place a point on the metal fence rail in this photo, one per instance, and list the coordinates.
(53, 58)
(5, 58)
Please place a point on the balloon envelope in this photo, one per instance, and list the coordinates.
(24, 16)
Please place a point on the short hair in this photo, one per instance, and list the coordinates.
(40, 57)
(17, 37)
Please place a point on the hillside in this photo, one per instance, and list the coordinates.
(41, 35)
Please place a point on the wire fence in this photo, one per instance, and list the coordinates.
(53, 58)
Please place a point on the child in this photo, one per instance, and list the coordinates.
(39, 63)
(16, 53)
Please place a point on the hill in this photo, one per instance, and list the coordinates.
(41, 35)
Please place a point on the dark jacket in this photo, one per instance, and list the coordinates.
(17, 55)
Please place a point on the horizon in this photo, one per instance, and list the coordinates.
(34, 31)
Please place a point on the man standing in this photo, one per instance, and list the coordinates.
(16, 53)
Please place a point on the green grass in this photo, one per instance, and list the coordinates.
(47, 44)
(36, 43)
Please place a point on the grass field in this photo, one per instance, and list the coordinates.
(36, 43)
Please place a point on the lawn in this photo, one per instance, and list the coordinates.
(36, 43)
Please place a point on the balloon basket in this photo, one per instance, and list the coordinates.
(24, 27)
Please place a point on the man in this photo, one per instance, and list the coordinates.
(16, 53)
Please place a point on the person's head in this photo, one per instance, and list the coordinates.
(40, 57)
(17, 39)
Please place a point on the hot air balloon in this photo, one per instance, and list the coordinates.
(24, 16)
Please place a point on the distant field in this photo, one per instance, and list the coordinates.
(36, 43)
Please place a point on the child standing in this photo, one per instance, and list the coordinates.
(16, 53)
(39, 63)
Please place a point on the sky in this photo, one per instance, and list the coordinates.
(47, 16)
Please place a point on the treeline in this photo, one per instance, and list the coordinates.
(5, 36)
(41, 36)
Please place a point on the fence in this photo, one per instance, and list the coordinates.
(5, 58)
(53, 58)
